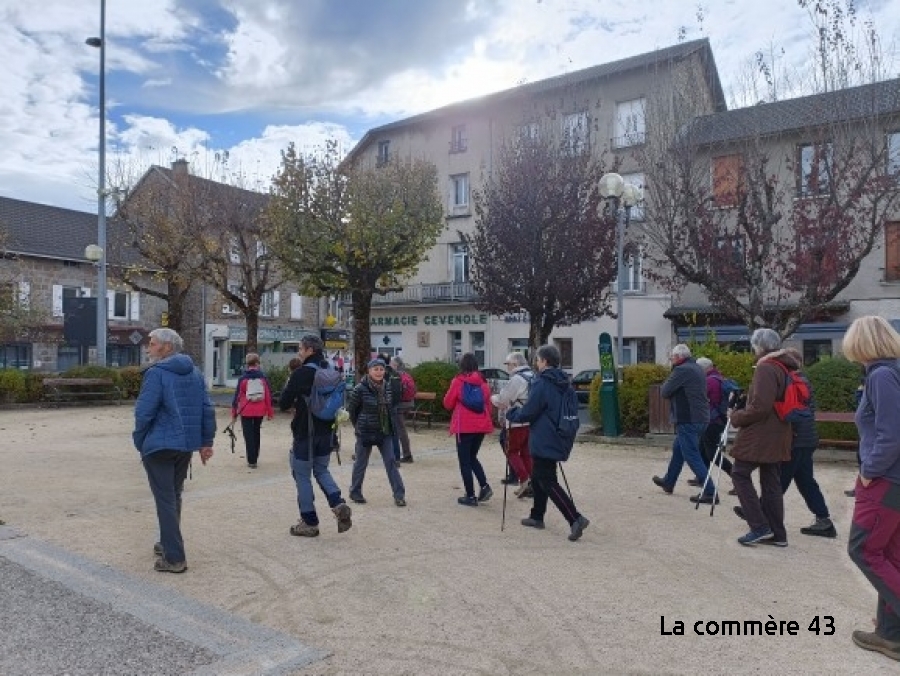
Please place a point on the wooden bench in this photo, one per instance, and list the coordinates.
(68, 390)
(837, 417)
(423, 409)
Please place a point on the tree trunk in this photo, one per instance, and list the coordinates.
(362, 334)
(252, 318)
(176, 297)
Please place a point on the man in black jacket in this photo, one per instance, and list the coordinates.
(311, 450)
(685, 388)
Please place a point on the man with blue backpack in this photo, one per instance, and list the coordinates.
(552, 412)
(315, 391)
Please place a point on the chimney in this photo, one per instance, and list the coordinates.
(180, 167)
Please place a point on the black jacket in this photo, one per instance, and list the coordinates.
(295, 393)
(805, 434)
(362, 405)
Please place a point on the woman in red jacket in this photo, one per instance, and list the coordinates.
(468, 399)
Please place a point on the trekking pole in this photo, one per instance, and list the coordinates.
(566, 481)
(718, 461)
(504, 446)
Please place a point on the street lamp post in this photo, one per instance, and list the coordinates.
(100, 43)
(624, 196)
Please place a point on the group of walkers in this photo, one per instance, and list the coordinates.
(174, 418)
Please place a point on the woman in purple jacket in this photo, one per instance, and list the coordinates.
(874, 543)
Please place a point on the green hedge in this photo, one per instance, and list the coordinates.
(834, 382)
(434, 376)
(19, 387)
(277, 377)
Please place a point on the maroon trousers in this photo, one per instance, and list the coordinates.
(874, 546)
(517, 452)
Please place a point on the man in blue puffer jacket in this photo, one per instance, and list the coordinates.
(173, 417)
(544, 442)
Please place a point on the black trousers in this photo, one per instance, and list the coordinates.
(252, 429)
(708, 444)
(545, 486)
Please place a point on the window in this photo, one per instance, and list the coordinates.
(123, 355)
(15, 356)
(637, 211)
(384, 153)
(122, 305)
(727, 180)
(814, 350)
(630, 130)
(575, 133)
(814, 169)
(459, 262)
(892, 251)
(458, 139)
(646, 350)
(296, 306)
(528, 131)
(236, 356)
(67, 356)
(519, 345)
(565, 352)
(60, 293)
(268, 305)
(893, 154)
(237, 290)
(476, 339)
(234, 251)
(732, 245)
(633, 265)
(455, 342)
(460, 186)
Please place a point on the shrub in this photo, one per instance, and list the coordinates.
(13, 387)
(130, 378)
(277, 377)
(834, 382)
(434, 376)
(633, 393)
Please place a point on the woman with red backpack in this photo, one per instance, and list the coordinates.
(468, 401)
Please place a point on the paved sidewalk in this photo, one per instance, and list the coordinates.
(433, 588)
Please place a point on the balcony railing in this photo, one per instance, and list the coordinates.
(415, 294)
(631, 287)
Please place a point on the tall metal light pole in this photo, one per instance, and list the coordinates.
(624, 196)
(101, 193)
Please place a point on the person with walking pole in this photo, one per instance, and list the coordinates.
(552, 411)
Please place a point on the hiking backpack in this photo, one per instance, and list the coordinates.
(728, 387)
(256, 390)
(327, 393)
(472, 397)
(407, 387)
(567, 421)
(793, 404)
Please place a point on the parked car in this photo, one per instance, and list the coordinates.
(495, 378)
(582, 384)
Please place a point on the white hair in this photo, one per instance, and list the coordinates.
(517, 359)
(705, 362)
(681, 351)
(168, 337)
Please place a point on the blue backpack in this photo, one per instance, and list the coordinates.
(728, 387)
(567, 421)
(327, 394)
(472, 397)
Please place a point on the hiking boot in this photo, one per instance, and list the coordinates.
(754, 536)
(161, 565)
(662, 484)
(342, 513)
(869, 640)
(468, 501)
(158, 549)
(740, 512)
(537, 523)
(822, 527)
(578, 527)
(406, 458)
(357, 497)
(400, 502)
(523, 488)
(705, 499)
(304, 530)
(251, 465)
(485, 494)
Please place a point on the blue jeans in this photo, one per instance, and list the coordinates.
(686, 449)
(166, 472)
(467, 446)
(800, 469)
(386, 448)
(303, 470)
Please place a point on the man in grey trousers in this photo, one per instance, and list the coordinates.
(685, 388)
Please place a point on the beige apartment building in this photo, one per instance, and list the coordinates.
(602, 109)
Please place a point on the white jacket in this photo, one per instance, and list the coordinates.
(515, 392)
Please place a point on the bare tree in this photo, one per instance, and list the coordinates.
(20, 319)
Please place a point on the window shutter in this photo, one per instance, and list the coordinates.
(726, 178)
(135, 301)
(110, 304)
(892, 251)
(57, 300)
(296, 306)
(276, 298)
(25, 295)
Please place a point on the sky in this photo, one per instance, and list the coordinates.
(228, 84)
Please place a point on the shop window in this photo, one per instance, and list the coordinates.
(455, 343)
(519, 345)
(814, 350)
(15, 356)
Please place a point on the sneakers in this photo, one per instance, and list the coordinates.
(406, 459)
(754, 536)
(740, 512)
(357, 497)
(662, 484)
(251, 465)
(304, 530)
(578, 527)
(523, 488)
(536, 523)
(869, 640)
(485, 494)
(705, 499)
(822, 527)
(158, 549)
(400, 502)
(342, 513)
(468, 501)
(774, 542)
(161, 565)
